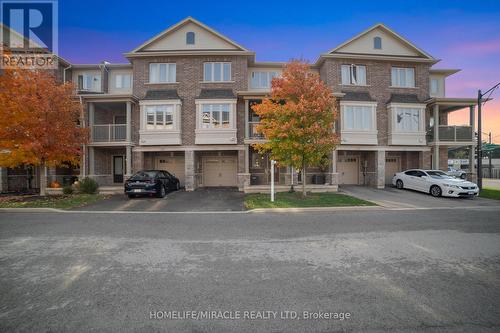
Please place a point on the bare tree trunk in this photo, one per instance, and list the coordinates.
(43, 180)
(304, 193)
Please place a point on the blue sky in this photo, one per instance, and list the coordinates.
(465, 34)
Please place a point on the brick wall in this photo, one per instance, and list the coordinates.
(189, 76)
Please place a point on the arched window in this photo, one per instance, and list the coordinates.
(377, 43)
(190, 38)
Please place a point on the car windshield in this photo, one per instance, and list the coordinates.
(438, 174)
(143, 175)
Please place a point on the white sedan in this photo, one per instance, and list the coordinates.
(435, 182)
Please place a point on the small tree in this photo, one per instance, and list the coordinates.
(298, 119)
(38, 121)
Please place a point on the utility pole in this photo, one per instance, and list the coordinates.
(491, 152)
(479, 142)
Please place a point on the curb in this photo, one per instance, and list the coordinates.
(314, 209)
(32, 210)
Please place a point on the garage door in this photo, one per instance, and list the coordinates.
(219, 171)
(348, 169)
(391, 167)
(173, 164)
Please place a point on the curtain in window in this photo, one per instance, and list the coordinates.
(407, 119)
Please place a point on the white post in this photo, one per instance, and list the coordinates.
(273, 162)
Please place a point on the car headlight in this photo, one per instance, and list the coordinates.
(451, 185)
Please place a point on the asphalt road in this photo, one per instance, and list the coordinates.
(401, 271)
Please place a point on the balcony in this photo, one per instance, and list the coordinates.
(453, 134)
(252, 132)
(109, 133)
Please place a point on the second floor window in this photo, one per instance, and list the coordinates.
(357, 118)
(262, 80)
(215, 116)
(217, 71)
(159, 117)
(89, 82)
(353, 75)
(434, 86)
(403, 77)
(407, 119)
(162, 73)
(123, 81)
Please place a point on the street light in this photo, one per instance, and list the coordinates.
(480, 96)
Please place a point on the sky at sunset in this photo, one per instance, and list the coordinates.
(464, 34)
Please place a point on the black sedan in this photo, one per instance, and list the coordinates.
(151, 182)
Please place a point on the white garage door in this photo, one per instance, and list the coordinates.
(348, 169)
(219, 171)
(391, 167)
(173, 164)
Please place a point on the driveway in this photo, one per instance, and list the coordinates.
(216, 199)
(393, 198)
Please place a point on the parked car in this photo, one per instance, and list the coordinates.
(435, 182)
(151, 182)
(456, 173)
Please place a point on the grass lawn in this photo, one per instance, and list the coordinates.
(295, 200)
(52, 201)
(490, 193)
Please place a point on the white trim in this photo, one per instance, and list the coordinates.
(180, 24)
(383, 148)
(176, 103)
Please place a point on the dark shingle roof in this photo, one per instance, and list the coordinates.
(162, 94)
(357, 96)
(404, 98)
(216, 94)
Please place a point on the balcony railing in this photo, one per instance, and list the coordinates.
(109, 133)
(452, 133)
(252, 133)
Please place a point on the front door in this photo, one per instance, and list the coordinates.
(118, 169)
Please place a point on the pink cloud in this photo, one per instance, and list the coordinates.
(478, 48)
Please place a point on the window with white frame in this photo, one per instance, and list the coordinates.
(353, 74)
(403, 77)
(159, 117)
(262, 80)
(123, 81)
(407, 119)
(358, 117)
(434, 86)
(90, 82)
(217, 71)
(162, 73)
(216, 116)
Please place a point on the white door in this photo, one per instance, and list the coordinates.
(219, 171)
(348, 169)
(172, 164)
(391, 167)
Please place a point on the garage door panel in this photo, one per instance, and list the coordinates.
(348, 169)
(219, 171)
(392, 166)
(172, 164)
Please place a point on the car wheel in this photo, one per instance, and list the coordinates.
(436, 191)
(463, 176)
(399, 184)
(162, 192)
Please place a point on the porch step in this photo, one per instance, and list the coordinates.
(286, 188)
(111, 190)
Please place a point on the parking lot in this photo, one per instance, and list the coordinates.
(206, 199)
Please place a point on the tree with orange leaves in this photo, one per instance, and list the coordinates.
(38, 122)
(298, 120)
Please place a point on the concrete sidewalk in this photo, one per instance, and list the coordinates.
(491, 183)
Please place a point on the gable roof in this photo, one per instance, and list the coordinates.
(407, 48)
(179, 25)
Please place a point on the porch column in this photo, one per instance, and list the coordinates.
(472, 148)
(380, 168)
(91, 120)
(91, 162)
(189, 172)
(435, 156)
(129, 122)
(3, 180)
(128, 161)
(334, 178)
(247, 111)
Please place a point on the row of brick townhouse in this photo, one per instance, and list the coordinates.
(183, 103)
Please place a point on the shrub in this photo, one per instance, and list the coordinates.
(88, 186)
(67, 190)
